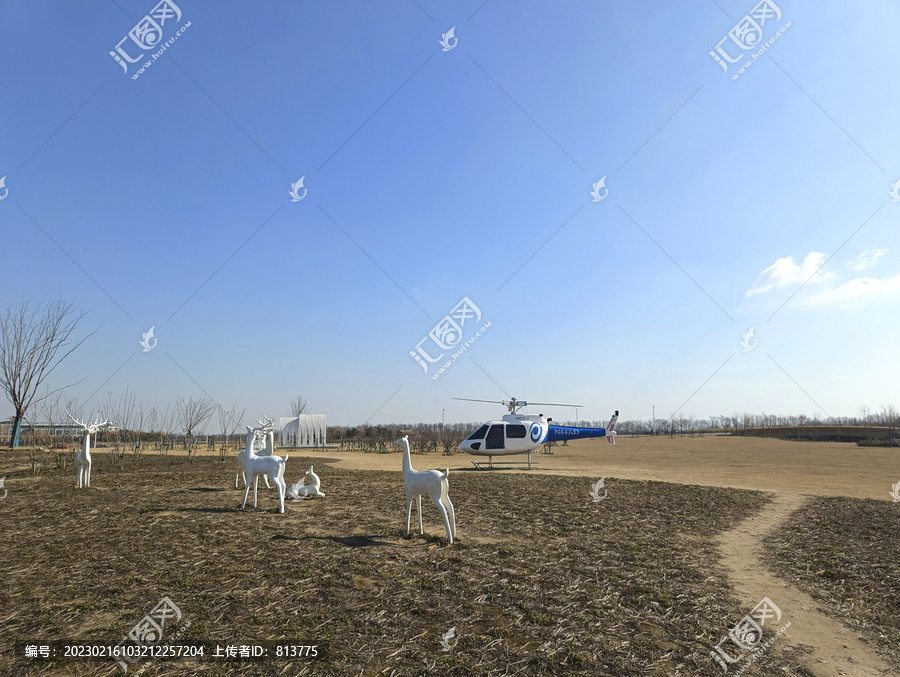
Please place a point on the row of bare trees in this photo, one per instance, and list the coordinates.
(36, 338)
(423, 437)
(136, 426)
(886, 419)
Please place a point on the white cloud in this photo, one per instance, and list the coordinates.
(786, 272)
(866, 259)
(857, 290)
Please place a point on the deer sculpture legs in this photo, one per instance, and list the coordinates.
(83, 463)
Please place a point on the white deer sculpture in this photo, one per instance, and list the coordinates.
(432, 482)
(273, 466)
(83, 457)
(268, 450)
(302, 490)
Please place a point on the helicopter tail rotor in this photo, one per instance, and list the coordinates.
(611, 428)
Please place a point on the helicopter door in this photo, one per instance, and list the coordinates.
(494, 438)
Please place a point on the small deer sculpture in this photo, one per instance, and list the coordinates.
(302, 490)
(432, 482)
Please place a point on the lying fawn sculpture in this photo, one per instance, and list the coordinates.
(431, 482)
(83, 457)
(301, 490)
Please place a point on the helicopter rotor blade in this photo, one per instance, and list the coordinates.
(520, 403)
(469, 399)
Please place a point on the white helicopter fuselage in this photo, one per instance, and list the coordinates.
(513, 434)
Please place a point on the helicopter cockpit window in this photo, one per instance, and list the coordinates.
(478, 434)
(495, 437)
(515, 431)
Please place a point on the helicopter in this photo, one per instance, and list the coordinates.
(519, 433)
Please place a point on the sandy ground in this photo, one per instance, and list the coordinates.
(813, 468)
(792, 471)
(831, 648)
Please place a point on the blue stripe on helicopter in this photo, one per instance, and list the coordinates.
(559, 433)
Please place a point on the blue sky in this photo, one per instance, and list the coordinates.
(761, 201)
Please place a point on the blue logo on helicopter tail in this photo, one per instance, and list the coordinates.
(535, 432)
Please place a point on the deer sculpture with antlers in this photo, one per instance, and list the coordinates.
(268, 450)
(272, 466)
(83, 457)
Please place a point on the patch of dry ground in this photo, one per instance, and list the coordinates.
(543, 581)
(843, 552)
(830, 647)
(759, 464)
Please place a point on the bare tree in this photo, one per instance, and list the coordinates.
(129, 417)
(299, 406)
(43, 433)
(32, 344)
(864, 413)
(890, 420)
(163, 426)
(192, 414)
(229, 422)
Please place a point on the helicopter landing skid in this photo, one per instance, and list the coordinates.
(480, 465)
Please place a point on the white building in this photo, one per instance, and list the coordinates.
(306, 430)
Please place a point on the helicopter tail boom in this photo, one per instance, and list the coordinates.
(558, 433)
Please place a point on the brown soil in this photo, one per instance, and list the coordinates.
(828, 648)
(815, 468)
(542, 580)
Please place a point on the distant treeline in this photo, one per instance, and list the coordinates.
(880, 427)
(423, 437)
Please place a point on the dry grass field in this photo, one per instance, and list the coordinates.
(692, 534)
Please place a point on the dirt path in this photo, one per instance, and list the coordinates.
(833, 648)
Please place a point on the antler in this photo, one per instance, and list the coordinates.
(95, 425)
(268, 423)
(76, 421)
